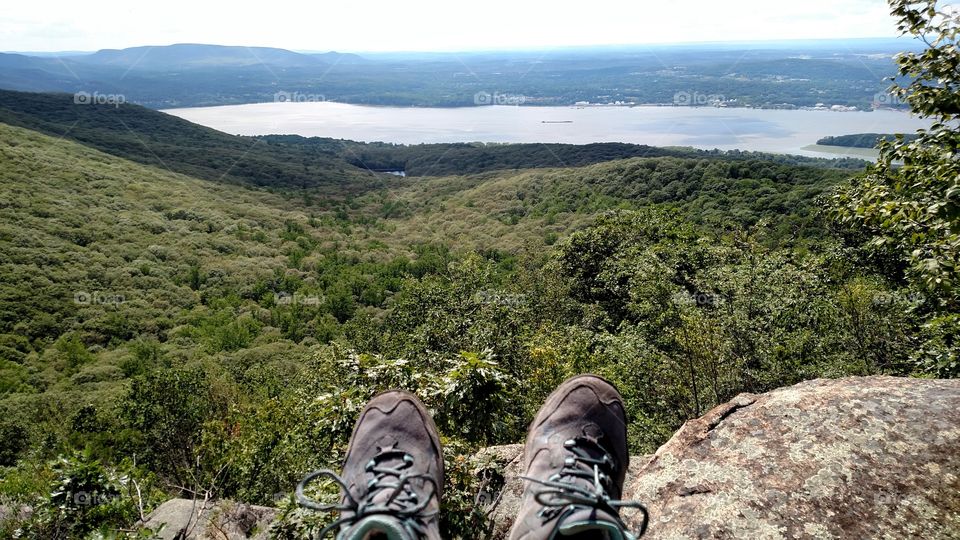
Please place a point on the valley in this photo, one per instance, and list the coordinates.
(214, 256)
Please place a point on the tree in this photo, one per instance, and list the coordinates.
(908, 204)
(168, 408)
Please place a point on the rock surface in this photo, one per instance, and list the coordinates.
(871, 457)
(224, 520)
(865, 457)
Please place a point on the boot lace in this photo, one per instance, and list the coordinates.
(568, 487)
(391, 475)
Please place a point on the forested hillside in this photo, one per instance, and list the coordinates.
(158, 139)
(192, 335)
(468, 158)
(333, 166)
(863, 140)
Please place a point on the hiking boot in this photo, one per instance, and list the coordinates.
(392, 476)
(576, 460)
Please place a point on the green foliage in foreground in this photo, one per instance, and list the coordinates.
(907, 208)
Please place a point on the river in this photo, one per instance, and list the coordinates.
(767, 130)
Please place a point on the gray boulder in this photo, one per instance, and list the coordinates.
(870, 457)
(185, 519)
(862, 457)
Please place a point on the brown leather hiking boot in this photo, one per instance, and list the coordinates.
(392, 476)
(576, 460)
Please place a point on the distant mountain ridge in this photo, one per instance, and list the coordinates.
(178, 75)
(197, 75)
(335, 57)
(196, 55)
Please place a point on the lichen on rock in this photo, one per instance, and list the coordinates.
(866, 457)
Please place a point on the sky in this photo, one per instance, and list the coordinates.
(429, 25)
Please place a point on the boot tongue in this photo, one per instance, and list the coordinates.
(387, 487)
(591, 523)
(386, 490)
(382, 526)
(592, 449)
(391, 501)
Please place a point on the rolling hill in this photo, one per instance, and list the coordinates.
(150, 137)
(337, 166)
(198, 56)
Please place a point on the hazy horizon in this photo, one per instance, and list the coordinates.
(432, 25)
(588, 47)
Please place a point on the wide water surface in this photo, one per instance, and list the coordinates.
(780, 131)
